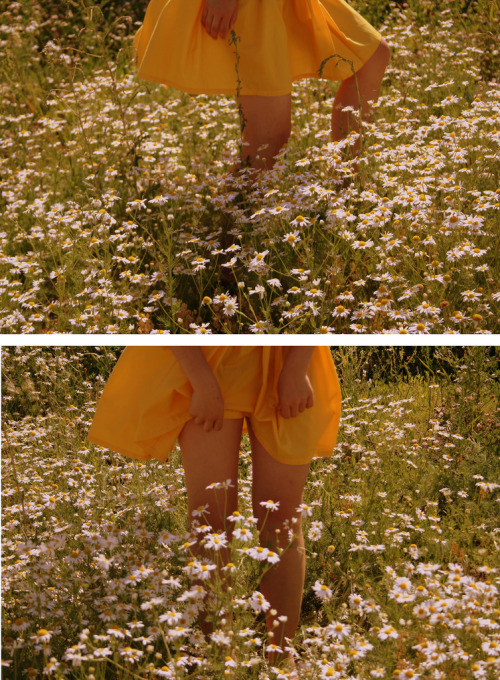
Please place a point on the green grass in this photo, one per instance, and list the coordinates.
(410, 492)
(113, 188)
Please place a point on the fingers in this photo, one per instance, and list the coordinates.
(227, 25)
(217, 25)
(224, 28)
(211, 23)
(212, 27)
(233, 19)
(206, 25)
(208, 424)
(292, 409)
(284, 410)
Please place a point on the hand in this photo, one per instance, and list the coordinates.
(219, 17)
(295, 393)
(207, 406)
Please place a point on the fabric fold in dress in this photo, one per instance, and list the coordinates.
(146, 402)
(277, 42)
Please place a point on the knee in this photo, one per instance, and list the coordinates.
(376, 64)
(370, 76)
(384, 53)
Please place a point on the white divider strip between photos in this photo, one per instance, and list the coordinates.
(347, 340)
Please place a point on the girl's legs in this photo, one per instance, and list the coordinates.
(369, 79)
(266, 122)
(283, 584)
(210, 457)
(213, 457)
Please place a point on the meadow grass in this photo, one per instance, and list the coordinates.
(401, 527)
(119, 213)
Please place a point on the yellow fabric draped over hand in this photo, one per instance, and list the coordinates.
(146, 401)
(278, 42)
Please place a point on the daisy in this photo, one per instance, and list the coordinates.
(338, 630)
(304, 509)
(131, 655)
(314, 292)
(292, 237)
(42, 635)
(242, 534)
(258, 602)
(300, 221)
(216, 541)
(260, 327)
(270, 505)
(171, 617)
(322, 591)
(340, 312)
(263, 555)
(387, 632)
(315, 531)
(471, 295)
(258, 290)
(419, 328)
(362, 245)
(257, 263)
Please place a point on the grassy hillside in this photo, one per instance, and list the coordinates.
(401, 527)
(118, 214)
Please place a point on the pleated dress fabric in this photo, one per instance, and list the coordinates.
(278, 42)
(145, 403)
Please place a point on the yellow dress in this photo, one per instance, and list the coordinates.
(278, 42)
(145, 403)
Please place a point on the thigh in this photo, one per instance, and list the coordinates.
(272, 114)
(276, 481)
(211, 458)
(370, 74)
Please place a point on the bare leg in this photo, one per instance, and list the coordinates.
(266, 123)
(210, 457)
(283, 584)
(369, 79)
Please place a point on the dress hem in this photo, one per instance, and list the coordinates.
(122, 451)
(251, 93)
(145, 457)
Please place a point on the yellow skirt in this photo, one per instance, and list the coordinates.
(279, 41)
(145, 403)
